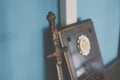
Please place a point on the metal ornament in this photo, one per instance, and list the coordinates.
(83, 45)
(57, 54)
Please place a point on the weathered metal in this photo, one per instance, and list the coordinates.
(57, 54)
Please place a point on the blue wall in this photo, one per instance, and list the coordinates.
(105, 15)
(21, 38)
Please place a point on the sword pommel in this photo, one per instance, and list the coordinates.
(51, 18)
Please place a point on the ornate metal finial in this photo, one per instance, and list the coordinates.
(51, 18)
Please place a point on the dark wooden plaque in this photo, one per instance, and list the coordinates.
(83, 57)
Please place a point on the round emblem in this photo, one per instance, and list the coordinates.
(83, 45)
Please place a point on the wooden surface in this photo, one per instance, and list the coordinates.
(113, 72)
(89, 67)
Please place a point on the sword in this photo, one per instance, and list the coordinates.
(58, 50)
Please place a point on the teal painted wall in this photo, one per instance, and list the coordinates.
(21, 38)
(106, 18)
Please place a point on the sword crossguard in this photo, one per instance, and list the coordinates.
(56, 54)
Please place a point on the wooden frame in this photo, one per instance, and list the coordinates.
(82, 67)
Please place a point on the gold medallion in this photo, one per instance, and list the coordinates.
(83, 45)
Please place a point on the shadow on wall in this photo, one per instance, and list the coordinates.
(50, 67)
(5, 69)
(119, 41)
(118, 57)
(119, 48)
